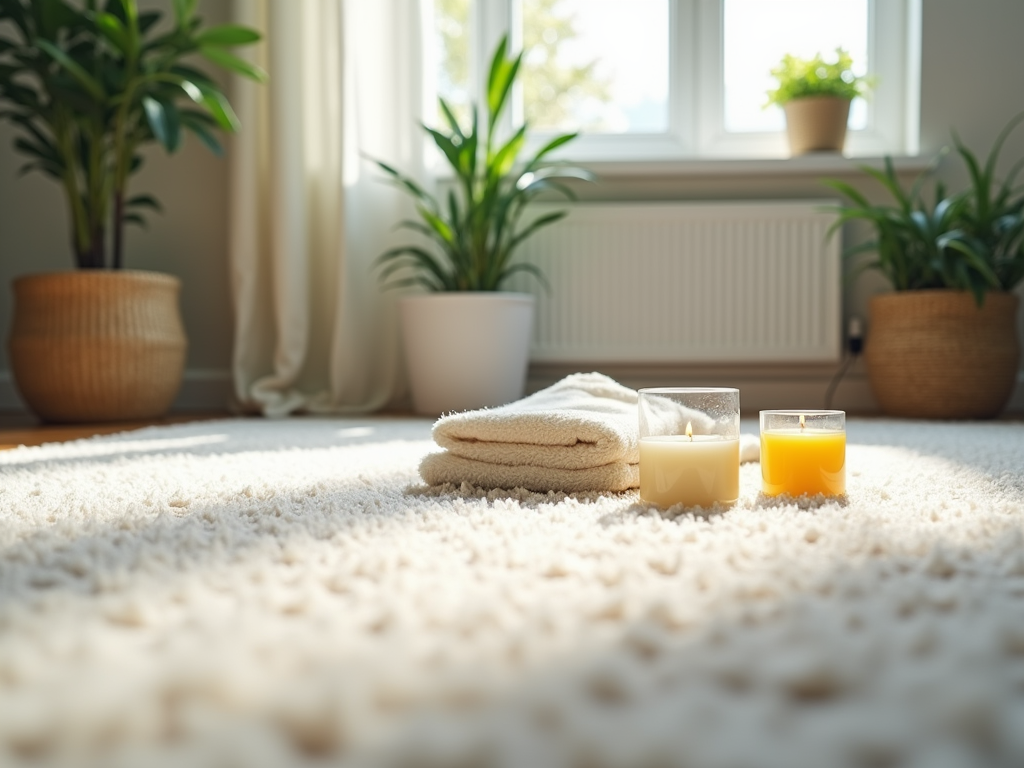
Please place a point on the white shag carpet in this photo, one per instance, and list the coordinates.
(287, 593)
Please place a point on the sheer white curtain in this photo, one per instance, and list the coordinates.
(313, 332)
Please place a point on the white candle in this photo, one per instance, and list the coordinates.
(693, 471)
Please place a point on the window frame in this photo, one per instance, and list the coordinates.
(886, 130)
(696, 42)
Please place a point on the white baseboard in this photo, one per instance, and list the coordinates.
(1016, 404)
(202, 389)
(760, 388)
(798, 386)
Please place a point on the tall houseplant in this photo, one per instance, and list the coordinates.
(466, 340)
(815, 95)
(944, 343)
(88, 85)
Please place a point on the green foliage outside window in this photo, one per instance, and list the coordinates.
(550, 86)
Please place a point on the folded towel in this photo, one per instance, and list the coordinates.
(578, 434)
(585, 420)
(445, 467)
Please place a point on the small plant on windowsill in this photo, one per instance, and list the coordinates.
(466, 340)
(815, 95)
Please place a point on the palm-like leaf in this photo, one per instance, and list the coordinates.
(972, 240)
(90, 87)
(476, 234)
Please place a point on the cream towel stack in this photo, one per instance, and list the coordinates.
(579, 434)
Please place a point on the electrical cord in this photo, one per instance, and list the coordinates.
(854, 345)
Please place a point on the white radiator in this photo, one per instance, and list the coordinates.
(687, 283)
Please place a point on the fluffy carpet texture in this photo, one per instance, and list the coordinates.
(288, 593)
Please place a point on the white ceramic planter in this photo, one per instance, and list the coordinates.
(466, 350)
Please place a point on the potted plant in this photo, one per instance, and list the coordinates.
(816, 95)
(88, 87)
(944, 343)
(467, 340)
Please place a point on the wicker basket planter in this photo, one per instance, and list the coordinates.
(935, 354)
(96, 345)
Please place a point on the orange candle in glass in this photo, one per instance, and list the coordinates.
(803, 453)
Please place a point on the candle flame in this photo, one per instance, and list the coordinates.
(689, 430)
(802, 425)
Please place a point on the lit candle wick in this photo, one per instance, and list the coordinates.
(802, 425)
(689, 430)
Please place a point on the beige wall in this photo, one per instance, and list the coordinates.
(968, 83)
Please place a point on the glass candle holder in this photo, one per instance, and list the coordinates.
(803, 453)
(689, 446)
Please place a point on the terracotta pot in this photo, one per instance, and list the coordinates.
(936, 354)
(466, 350)
(816, 124)
(97, 345)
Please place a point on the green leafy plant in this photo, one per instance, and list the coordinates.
(906, 232)
(989, 234)
(972, 240)
(89, 84)
(475, 234)
(798, 78)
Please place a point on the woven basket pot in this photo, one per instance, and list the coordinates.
(94, 345)
(935, 354)
(816, 124)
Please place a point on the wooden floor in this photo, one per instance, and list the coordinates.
(19, 428)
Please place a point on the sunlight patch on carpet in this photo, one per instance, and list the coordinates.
(293, 593)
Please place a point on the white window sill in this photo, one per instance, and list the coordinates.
(818, 164)
(830, 163)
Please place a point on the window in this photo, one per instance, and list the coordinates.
(664, 79)
(600, 66)
(754, 37)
